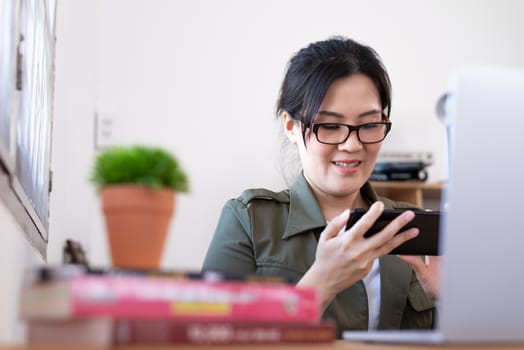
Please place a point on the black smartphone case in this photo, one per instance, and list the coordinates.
(428, 223)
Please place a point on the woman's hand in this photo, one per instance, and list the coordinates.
(343, 259)
(428, 273)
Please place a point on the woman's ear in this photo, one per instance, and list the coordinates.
(290, 128)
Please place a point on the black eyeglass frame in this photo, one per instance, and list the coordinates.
(352, 128)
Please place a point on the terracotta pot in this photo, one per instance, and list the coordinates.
(137, 220)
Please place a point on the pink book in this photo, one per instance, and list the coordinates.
(151, 297)
(105, 331)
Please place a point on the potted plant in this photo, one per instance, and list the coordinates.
(137, 185)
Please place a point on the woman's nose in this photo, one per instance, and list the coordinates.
(352, 142)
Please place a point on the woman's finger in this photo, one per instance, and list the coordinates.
(366, 221)
(397, 240)
(415, 261)
(334, 226)
(391, 229)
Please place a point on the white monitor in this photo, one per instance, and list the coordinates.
(482, 230)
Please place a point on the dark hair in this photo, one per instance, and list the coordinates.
(314, 68)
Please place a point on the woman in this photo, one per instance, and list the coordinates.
(334, 105)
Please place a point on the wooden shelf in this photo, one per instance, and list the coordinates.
(423, 194)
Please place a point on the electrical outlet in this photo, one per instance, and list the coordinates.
(105, 129)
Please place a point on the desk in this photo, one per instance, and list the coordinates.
(337, 345)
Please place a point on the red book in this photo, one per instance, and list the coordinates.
(104, 332)
(124, 296)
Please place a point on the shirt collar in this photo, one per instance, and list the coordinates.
(304, 212)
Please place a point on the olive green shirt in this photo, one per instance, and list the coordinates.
(268, 233)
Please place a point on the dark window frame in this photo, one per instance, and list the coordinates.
(25, 125)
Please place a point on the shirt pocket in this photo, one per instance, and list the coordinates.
(420, 309)
(277, 269)
(418, 299)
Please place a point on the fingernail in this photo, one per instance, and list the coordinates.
(408, 215)
(344, 214)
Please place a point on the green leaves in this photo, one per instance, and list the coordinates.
(153, 167)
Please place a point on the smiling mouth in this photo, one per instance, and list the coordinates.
(348, 164)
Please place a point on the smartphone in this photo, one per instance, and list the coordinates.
(428, 223)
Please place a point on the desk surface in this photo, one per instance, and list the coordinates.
(337, 345)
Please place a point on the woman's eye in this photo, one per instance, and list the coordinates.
(330, 127)
(370, 126)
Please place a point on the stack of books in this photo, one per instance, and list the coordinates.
(77, 305)
(399, 171)
(401, 166)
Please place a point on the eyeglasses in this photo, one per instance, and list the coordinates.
(335, 133)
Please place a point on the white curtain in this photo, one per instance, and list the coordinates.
(7, 69)
(33, 129)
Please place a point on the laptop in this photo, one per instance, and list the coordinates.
(482, 232)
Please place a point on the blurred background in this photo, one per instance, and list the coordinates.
(201, 78)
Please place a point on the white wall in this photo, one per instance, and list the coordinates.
(201, 79)
(17, 255)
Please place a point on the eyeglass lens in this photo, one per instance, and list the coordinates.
(339, 133)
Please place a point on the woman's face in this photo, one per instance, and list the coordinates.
(340, 170)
